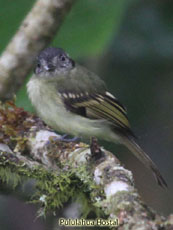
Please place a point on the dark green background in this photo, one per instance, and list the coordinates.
(130, 45)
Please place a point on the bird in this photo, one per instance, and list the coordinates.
(73, 100)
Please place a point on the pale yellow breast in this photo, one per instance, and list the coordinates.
(50, 108)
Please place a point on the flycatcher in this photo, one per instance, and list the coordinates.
(73, 100)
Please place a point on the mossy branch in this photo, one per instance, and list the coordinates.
(29, 149)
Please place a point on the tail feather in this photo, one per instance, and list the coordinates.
(144, 158)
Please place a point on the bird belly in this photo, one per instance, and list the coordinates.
(51, 109)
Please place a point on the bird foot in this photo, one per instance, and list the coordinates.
(96, 151)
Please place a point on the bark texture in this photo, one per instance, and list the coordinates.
(34, 34)
(27, 142)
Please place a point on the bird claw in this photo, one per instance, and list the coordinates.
(96, 151)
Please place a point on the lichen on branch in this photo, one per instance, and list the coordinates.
(64, 171)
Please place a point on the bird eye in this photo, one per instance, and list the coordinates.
(62, 58)
(38, 68)
(38, 65)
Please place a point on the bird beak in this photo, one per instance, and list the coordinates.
(49, 68)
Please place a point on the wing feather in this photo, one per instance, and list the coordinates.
(97, 106)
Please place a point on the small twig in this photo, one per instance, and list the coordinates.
(35, 32)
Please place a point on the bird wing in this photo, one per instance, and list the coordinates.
(97, 106)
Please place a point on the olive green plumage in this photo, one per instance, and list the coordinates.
(73, 100)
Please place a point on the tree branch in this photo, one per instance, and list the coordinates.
(27, 141)
(35, 33)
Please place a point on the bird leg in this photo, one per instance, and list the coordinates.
(96, 152)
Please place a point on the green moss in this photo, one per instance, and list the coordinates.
(9, 177)
(122, 200)
(53, 189)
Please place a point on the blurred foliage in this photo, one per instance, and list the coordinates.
(87, 30)
(138, 70)
(90, 26)
(11, 15)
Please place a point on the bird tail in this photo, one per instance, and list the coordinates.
(130, 143)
